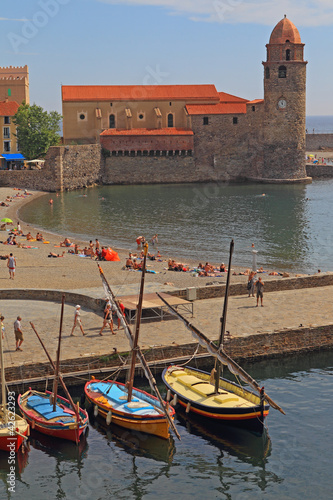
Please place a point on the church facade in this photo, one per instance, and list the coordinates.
(219, 136)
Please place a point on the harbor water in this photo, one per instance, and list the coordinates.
(289, 224)
(293, 461)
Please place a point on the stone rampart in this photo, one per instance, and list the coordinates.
(150, 170)
(65, 167)
(315, 142)
(319, 171)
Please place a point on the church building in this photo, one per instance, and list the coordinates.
(226, 137)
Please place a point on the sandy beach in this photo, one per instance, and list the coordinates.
(36, 270)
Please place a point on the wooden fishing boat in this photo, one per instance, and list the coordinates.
(232, 403)
(49, 413)
(60, 423)
(210, 396)
(142, 413)
(13, 428)
(125, 405)
(13, 431)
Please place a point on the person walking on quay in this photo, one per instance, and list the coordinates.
(18, 333)
(259, 284)
(11, 264)
(122, 308)
(77, 320)
(107, 318)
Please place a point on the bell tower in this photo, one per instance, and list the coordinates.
(284, 105)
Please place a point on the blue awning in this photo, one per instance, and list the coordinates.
(10, 157)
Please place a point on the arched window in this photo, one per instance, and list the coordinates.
(267, 73)
(288, 55)
(282, 72)
(170, 120)
(112, 121)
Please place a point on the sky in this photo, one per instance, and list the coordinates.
(161, 42)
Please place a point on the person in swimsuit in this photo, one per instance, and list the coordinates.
(107, 318)
(11, 264)
(259, 284)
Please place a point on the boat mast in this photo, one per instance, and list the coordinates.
(223, 319)
(3, 382)
(137, 325)
(144, 364)
(61, 380)
(56, 375)
(222, 356)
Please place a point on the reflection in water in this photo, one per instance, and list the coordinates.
(245, 446)
(288, 225)
(135, 443)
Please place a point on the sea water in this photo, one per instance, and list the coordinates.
(293, 461)
(289, 224)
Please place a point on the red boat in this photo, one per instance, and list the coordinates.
(13, 428)
(63, 422)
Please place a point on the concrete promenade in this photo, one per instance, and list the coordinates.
(283, 310)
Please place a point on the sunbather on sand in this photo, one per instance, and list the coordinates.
(66, 243)
(52, 254)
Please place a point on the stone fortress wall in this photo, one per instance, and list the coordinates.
(316, 142)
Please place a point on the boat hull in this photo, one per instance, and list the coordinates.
(150, 422)
(196, 395)
(9, 439)
(70, 431)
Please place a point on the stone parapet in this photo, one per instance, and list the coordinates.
(319, 171)
(271, 285)
(315, 142)
(86, 301)
(251, 348)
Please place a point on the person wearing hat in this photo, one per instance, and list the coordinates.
(77, 320)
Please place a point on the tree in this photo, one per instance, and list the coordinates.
(37, 130)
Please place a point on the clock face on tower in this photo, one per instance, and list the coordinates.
(282, 104)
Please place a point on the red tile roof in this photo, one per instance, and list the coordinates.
(8, 108)
(230, 98)
(147, 131)
(256, 101)
(222, 108)
(283, 31)
(194, 93)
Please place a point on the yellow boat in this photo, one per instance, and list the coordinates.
(231, 404)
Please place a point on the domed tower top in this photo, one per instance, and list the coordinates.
(285, 43)
(285, 31)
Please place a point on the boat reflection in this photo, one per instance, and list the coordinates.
(247, 446)
(59, 448)
(21, 457)
(135, 443)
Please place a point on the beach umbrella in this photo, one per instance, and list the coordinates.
(7, 221)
